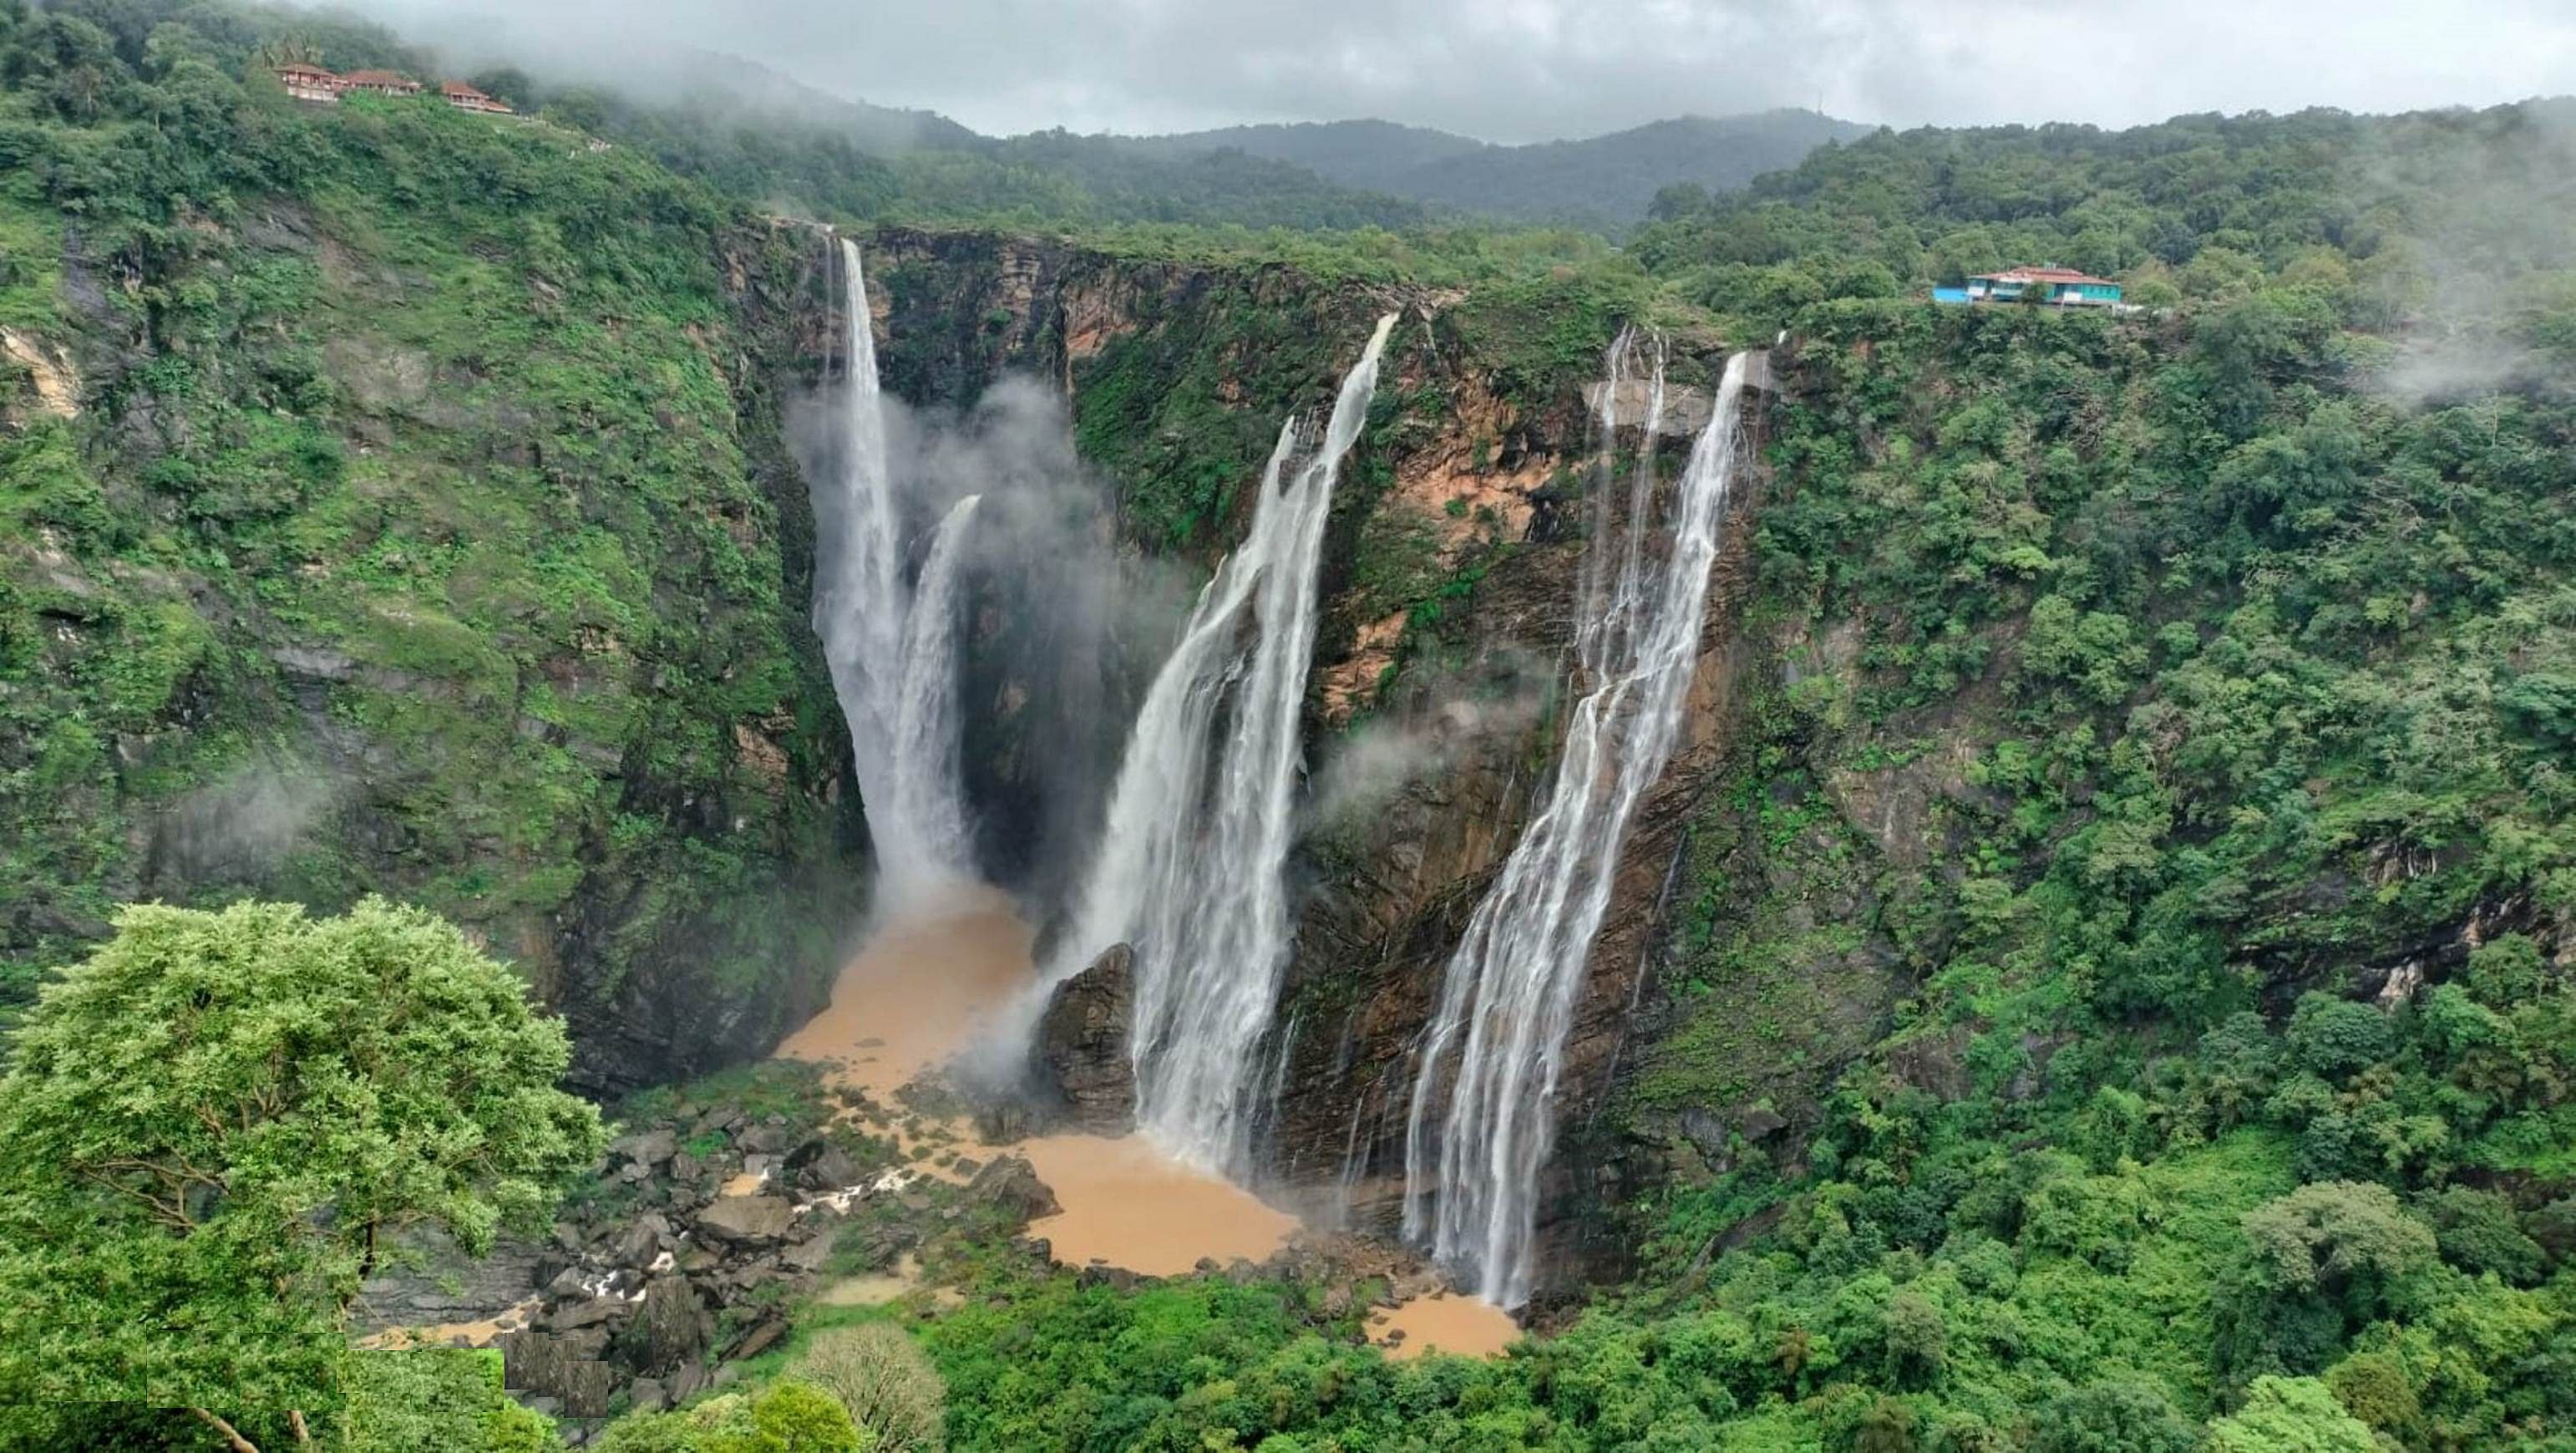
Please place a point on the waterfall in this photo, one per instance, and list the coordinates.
(1497, 1041)
(929, 796)
(892, 656)
(1190, 866)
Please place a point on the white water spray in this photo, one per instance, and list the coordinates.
(1496, 1045)
(1189, 869)
(892, 650)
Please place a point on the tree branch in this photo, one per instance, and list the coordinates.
(232, 1435)
(172, 1213)
(295, 1420)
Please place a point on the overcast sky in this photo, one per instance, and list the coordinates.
(1524, 70)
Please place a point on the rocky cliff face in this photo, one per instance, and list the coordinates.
(545, 665)
(1391, 891)
(1450, 576)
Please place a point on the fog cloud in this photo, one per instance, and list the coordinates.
(2496, 252)
(242, 826)
(1441, 720)
(1524, 70)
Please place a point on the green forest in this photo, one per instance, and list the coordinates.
(2199, 1070)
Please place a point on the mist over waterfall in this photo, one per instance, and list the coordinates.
(1189, 870)
(892, 648)
(1479, 1127)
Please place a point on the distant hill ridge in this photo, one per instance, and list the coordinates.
(1596, 181)
(743, 124)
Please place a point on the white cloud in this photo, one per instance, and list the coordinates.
(1518, 70)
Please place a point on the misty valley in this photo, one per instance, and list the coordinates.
(688, 766)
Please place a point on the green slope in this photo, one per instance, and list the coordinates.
(424, 528)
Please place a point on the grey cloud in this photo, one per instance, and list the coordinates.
(1520, 70)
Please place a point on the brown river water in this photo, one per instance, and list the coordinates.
(921, 989)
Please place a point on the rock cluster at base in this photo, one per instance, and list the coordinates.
(695, 1236)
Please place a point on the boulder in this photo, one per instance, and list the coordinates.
(747, 1220)
(667, 1333)
(650, 1148)
(566, 1369)
(1081, 1054)
(819, 1165)
(1004, 1122)
(759, 1340)
(1013, 1184)
(637, 1245)
(573, 1316)
(687, 1383)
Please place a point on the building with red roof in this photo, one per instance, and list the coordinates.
(466, 98)
(308, 82)
(383, 83)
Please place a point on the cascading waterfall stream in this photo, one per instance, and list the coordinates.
(1496, 1045)
(1190, 867)
(930, 796)
(892, 649)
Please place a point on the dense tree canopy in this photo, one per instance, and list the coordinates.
(211, 1132)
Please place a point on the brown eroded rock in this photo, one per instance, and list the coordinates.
(57, 385)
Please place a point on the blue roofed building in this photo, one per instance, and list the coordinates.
(2059, 285)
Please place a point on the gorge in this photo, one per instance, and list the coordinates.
(1143, 802)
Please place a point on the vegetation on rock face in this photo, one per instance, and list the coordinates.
(421, 529)
(213, 1128)
(2147, 780)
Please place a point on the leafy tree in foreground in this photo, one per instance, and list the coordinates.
(209, 1130)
